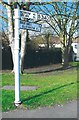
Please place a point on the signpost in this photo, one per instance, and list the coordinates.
(21, 24)
(32, 15)
(28, 15)
(17, 60)
(30, 26)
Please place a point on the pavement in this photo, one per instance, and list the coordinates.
(68, 110)
(25, 88)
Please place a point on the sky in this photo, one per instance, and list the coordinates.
(3, 23)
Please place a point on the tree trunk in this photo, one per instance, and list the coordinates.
(13, 54)
(24, 37)
(66, 55)
(10, 32)
(65, 58)
(23, 48)
(47, 43)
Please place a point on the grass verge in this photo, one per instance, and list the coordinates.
(53, 88)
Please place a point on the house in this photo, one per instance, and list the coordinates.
(76, 48)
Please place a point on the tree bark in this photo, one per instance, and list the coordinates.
(24, 38)
(11, 32)
(23, 48)
(65, 55)
(12, 40)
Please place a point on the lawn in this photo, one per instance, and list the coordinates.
(56, 87)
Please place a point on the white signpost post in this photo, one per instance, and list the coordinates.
(17, 59)
(23, 15)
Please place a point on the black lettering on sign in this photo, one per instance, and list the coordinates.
(26, 15)
(42, 17)
(34, 15)
(38, 17)
(45, 17)
(22, 15)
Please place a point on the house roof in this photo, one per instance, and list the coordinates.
(55, 40)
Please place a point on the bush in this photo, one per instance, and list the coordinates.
(38, 57)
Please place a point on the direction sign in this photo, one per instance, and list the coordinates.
(32, 15)
(30, 26)
(27, 14)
